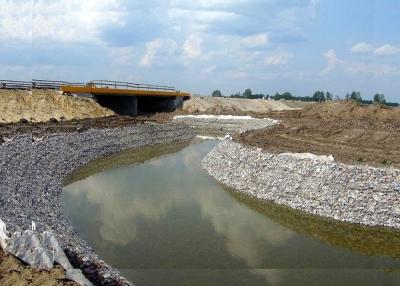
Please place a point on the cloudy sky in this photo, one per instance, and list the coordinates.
(267, 45)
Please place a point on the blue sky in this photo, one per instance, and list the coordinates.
(267, 45)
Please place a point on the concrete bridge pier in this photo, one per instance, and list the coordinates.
(159, 104)
(132, 105)
(123, 105)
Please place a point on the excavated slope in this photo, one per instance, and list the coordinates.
(42, 105)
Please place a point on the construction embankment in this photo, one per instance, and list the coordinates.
(32, 171)
(335, 181)
(237, 106)
(44, 105)
(354, 194)
(35, 158)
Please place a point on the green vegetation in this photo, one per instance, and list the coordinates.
(216, 93)
(318, 96)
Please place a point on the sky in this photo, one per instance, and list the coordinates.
(269, 46)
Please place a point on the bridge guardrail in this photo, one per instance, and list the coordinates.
(128, 85)
(50, 84)
(15, 84)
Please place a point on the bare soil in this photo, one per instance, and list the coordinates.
(15, 273)
(352, 133)
(9, 130)
(237, 106)
(43, 105)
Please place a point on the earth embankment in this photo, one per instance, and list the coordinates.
(32, 170)
(352, 133)
(43, 105)
(237, 106)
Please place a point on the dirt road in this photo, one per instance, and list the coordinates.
(351, 133)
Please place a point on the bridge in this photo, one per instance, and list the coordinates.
(124, 98)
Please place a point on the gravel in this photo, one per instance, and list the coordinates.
(354, 194)
(225, 124)
(31, 181)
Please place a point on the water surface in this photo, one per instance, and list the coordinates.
(166, 222)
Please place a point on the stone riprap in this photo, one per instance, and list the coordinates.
(31, 181)
(225, 123)
(354, 194)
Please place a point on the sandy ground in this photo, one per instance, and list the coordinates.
(351, 133)
(237, 106)
(15, 273)
(42, 105)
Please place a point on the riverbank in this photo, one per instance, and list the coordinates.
(225, 124)
(31, 179)
(353, 133)
(354, 194)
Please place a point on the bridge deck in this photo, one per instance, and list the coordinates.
(122, 92)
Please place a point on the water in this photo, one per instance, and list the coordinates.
(166, 222)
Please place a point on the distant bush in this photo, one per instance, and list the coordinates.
(318, 96)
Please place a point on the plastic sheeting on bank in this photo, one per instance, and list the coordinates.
(39, 251)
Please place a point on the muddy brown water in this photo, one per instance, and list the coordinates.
(155, 215)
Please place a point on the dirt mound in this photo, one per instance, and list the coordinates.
(43, 105)
(346, 110)
(352, 133)
(237, 106)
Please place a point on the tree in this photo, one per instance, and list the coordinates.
(236, 95)
(379, 98)
(319, 96)
(248, 93)
(356, 96)
(329, 96)
(286, 95)
(216, 93)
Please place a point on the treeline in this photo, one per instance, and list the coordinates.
(318, 96)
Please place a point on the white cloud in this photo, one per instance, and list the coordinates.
(158, 48)
(75, 20)
(15, 20)
(387, 50)
(208, 69)
(123, 56)
(358, 68)
(375, 69)
(366, 48)
(257, 40)
(278, 58)
(192, 48)
(362, 47)
(332, 61)
(204, 4)
(201, 16)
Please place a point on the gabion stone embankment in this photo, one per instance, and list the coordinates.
(31, 182)
(225, 123)
(354, 194)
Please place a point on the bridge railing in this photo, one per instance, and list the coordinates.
(15, 84)
(128, 85)
(51, 84)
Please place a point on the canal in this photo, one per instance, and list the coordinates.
(160, 219)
